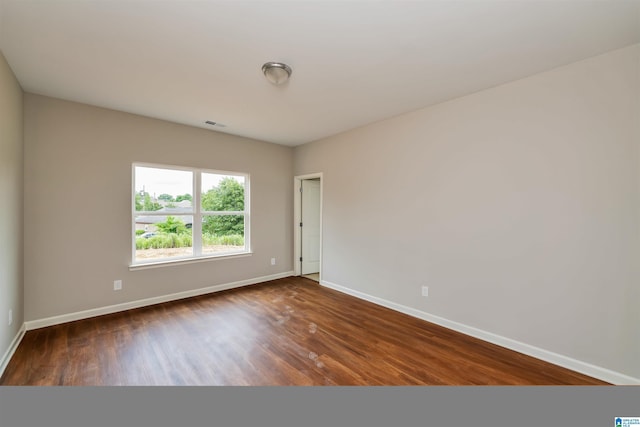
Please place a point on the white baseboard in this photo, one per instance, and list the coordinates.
(64, 318)
(6, 357)
(539, 353)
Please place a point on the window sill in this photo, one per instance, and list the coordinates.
(191, 260)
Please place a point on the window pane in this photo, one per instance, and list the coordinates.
(160, 189)
(222, 233)
(222, 192)
(160, 237)
(164, 213)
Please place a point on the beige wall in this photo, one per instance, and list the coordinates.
(518, 206)
(11, 152)
(78, 205)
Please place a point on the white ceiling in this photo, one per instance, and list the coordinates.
(354, 62)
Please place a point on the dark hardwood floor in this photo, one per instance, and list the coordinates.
(286, 332)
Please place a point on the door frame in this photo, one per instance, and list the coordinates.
(297, 218)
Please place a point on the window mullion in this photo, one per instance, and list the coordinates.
(196, 226)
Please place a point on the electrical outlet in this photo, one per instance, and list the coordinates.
(273, 261)
(117, 285)
(10, 320)
(425, 291)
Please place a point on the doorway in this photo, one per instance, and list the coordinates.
(308, 226)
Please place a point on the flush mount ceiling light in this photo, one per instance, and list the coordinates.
(276, 72)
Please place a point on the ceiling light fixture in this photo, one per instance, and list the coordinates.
(276, 72)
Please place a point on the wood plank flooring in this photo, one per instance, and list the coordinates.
(285, 332)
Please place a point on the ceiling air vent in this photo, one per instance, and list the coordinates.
(209, 122)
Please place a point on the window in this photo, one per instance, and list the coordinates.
(185, 213)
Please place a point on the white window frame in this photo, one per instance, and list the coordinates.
(198, 215)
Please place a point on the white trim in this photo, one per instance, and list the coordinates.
(12, 349)
(79, 315)
(297, 218)
(539, 353)
(247, 212)
(188, 260)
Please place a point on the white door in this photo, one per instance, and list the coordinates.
(310, 226)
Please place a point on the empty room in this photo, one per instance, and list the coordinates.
(319, 193)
